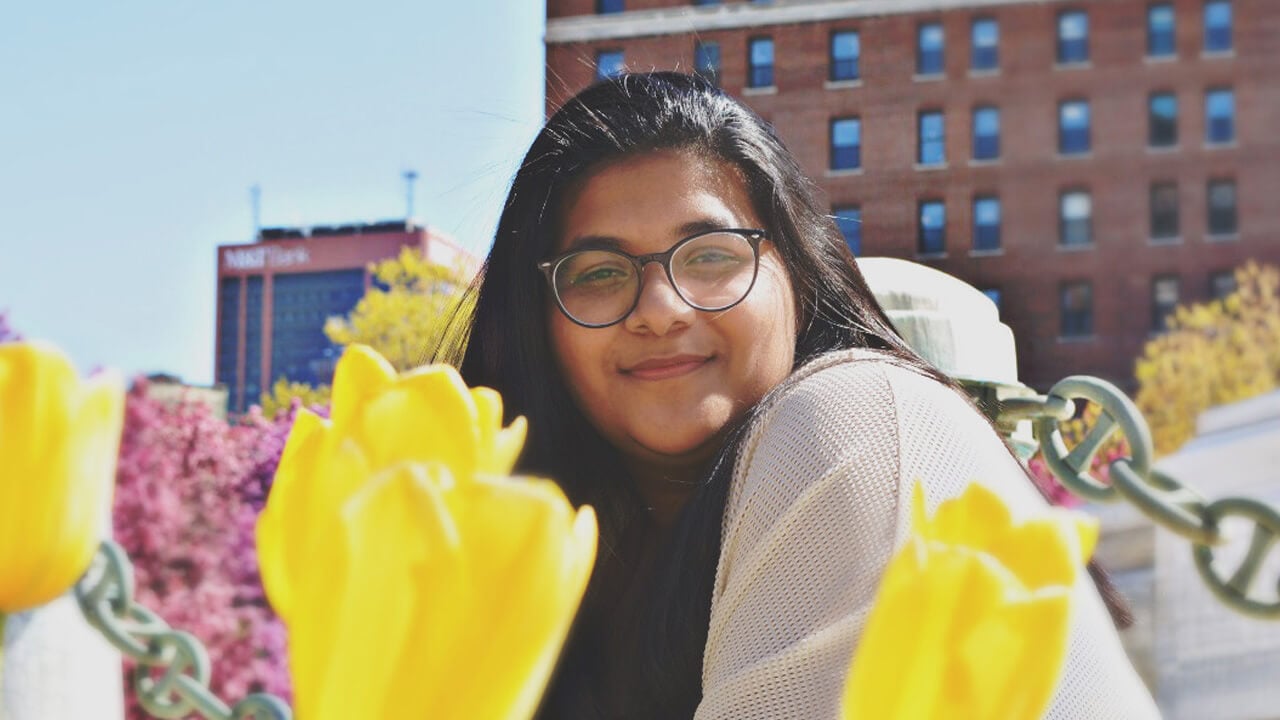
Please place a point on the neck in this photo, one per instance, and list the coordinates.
(665, 487)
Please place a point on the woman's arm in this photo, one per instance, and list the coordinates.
(813, 518)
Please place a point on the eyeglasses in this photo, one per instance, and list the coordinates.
(711, 271)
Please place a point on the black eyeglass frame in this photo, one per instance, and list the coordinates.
(753, 236)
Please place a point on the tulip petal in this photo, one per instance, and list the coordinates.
(444, 422)
(975, 519)
(361, 373)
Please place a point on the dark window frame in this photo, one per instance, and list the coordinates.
(1068, 228)
(709, 72)
(925, 143)
(987, 237)
(849, 220)
(610, 7)
(762, 75)
(985, 147)
(622, 64)
(931, 61)
(1219, 130)
(1164, 221)
(1162, 132)
(1222, 221)
(1216, 38)
(1075, 140)
(1161, 42)
(1075, 322)
(1161, 310)
(844, 69)
(983, 58)
(1072, 51)
(844, 157)
(931, 241)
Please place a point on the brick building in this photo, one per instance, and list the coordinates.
(1087, 163)
(275, 294)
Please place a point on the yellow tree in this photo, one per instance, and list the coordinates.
(404, 316)
(407, 312)
(1214, 353)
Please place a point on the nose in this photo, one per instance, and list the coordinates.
(660, 309)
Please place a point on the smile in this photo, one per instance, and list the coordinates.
(666, 368)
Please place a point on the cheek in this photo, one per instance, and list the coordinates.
(578, 352)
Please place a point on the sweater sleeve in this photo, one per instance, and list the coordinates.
(813, 517)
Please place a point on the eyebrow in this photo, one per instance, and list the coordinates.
(609, 242)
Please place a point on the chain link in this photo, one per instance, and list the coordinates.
(1157, 495)
(171, 676)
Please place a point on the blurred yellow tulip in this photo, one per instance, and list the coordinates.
(59, 438)
(972, 615)
(415, 578)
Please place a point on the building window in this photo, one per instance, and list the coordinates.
(931, 147)
(1073, 37)
(706, 61)
(1075, 219)
(845, 51)
(1164, 299)
(1160, 30)
(986, 222)
(607, 7)
(995, 296)
(1076, 318)
(849, 220)
(932, 238)
(985, 38)
(1222, 283)
(1164, 211)
(609, 63)
(1220, 116)
(760, 63)
(846, 144)
(930, 49)
(1217, 26)
(707, 2)
(986, 133)
(1162, 120)
(1222, 207)
(1073, 127)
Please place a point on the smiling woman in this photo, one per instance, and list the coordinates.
(700, 360)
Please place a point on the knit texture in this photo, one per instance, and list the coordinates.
(820, 502)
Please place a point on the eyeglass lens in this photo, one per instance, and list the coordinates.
(711, 272)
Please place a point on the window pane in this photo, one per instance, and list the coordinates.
(1076, 218)
(760, 72)
(986, 44)
(845, 51)
(1222, 284)
(604, 7)
(1160, 30)
(1164, 210)
(994, 295)
(932, 144)
(1220, 115)
(849, 220)
(1217, 25)
(846, 144)
(1222, 207)
(986, 223)
(609, 63)
(1073, 37)
(986, 133)
(1073, 127)
(1077, 310)
(933, 223)
(1162, 120)
(706, 61)
(929, 49)
(1164, 298)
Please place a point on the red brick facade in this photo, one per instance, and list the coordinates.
(1029, 270)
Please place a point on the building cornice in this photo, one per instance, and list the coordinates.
(699, 19)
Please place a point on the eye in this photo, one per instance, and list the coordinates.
(712, 255)
(598, 276)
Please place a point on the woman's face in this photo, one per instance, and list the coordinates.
(662, 384)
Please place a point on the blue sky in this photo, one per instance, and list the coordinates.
(130, 134)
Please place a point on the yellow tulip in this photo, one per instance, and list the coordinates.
(59, 438)
(414, 577)
(972, 615)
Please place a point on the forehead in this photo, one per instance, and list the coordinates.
(645, 201)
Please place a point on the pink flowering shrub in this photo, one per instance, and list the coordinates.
(1073, 431)
(7, 333)
(189, 489)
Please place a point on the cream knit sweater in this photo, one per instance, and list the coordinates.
(817, 507)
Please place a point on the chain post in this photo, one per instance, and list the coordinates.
(105, 596)
(1159, 496)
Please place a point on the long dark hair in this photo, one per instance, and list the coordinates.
(636, 649)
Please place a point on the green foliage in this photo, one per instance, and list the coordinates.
(1214, 353)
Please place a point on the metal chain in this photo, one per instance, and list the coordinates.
(105, 594)
(1157, 495)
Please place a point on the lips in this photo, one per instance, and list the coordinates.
(663, 368)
